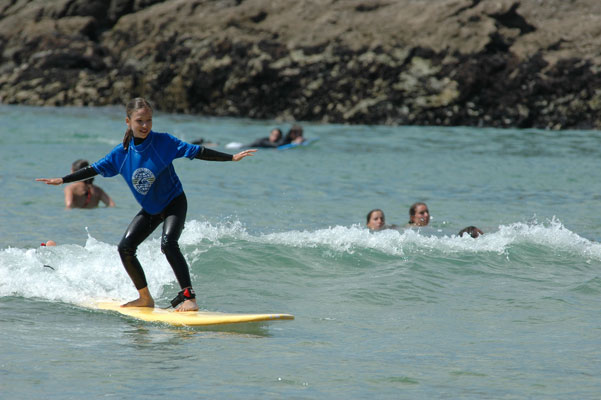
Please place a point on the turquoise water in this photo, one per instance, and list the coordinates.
(416, 314)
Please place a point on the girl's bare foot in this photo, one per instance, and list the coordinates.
(187, 305)
(139, 303)
(145, 300)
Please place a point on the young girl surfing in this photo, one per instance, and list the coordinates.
(144, 159)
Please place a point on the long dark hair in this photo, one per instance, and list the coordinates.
(294, 132)
(130, 107)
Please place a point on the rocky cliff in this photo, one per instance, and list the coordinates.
(519, 63)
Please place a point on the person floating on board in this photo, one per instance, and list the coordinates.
(294, 135)
(84, 194)
(419, 215)
(376, 221)
(144, 159)
(272, 141)
(472, 231)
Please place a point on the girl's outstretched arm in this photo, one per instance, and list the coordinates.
(79, 175)
(213, 155)
(242, 154)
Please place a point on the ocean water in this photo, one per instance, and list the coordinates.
(397, 314)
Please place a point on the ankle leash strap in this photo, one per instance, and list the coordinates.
(186, 294)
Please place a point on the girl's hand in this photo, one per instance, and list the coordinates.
(53, 181)
(242, 154)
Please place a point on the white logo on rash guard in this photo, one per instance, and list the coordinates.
(142, 179)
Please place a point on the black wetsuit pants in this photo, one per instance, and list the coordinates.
(143, 224)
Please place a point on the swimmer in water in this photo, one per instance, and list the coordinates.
(85, 194)
(419, 215)
(272, 141)
(472, 231)
(144, 159)
(294, 135)
(376, 221)
(48, 243)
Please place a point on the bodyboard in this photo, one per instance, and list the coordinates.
(293, 145)
(189, 318)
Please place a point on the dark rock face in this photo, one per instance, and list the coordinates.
(521, 63)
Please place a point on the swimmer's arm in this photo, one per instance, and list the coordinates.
(212, 155)
(105, 198)
(69, 196)
(82, 174)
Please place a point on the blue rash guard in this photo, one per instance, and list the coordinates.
(148, 169)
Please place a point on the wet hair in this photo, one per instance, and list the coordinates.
(413, 208)
(133, 105)
(470, 230)
(81, 164)
(294, 132)
(373, 211)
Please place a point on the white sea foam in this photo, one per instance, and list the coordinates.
(552, 234)
(77, 274)
(94, 272)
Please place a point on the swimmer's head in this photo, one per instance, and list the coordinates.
(275, 135)
(79, 164)
(376, 219)
(295, 131)
(472, 231)
(419, 215)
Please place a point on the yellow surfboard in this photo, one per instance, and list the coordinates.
(189, 318)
